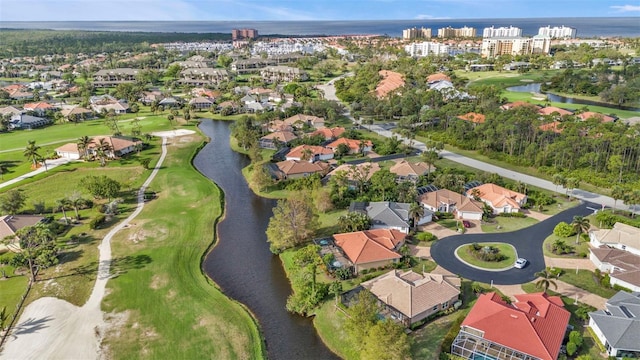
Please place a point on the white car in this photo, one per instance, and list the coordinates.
(520, 263)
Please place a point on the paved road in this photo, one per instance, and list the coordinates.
(528, 244)
(597, 200)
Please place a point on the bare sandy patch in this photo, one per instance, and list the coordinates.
(158, 282)
(173, 133)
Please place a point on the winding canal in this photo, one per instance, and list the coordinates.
(241, 263)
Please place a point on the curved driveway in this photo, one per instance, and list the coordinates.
(528, 244)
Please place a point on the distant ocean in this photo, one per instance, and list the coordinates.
(586, 27)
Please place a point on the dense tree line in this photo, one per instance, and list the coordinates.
(48, 42)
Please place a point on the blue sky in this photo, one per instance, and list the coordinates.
(68, 10)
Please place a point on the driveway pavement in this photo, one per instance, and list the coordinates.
(527, 242)
(50, 164)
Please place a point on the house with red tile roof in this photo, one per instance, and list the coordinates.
(38, 107)
(271, 141)
(500, 199)
(391, 81)
(294, 169)
(448, 201)
(553, 126)
(473, 117)
(328, 133)
(434, 78)
(310, 153)
(517, 104)
(371, 248)
(355, 146)
(590, 114)
(533, 327)
(551, 110)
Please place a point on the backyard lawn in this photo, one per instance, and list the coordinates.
(427, 341)
(507, 250)
(329, 322)
(586, 280)
(582, 248)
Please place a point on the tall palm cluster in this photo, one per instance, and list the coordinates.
(101, 151)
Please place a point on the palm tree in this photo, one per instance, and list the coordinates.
(31, 153)
(559, 179)
(306, 154)
(572, 183)
(102, 151)
(416, 212)
(617, 193)
(545, 280)
(62, 205)
(83, 146)
(76, 200)
(580, 225)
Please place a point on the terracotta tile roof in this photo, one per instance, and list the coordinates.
(473, 117)
(368, 246)
(552, 109)
(354, 145)
(590, 114)
(552, 126)
(390, 81)
(405, 168)
(437, 77)
(116, 144)
(75, 110)
(329, 133)
(443, 196)
(516, 104)
(294, 167)
(283, 136)
(539, 320)
(298, 151)
(498, 196)
(41, 105)
(366, 170)
(412, 293)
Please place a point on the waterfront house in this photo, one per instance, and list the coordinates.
(532, 327)
(409, 297)
(371, 248)
(309, 153)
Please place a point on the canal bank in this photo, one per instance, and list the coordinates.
(241, 263)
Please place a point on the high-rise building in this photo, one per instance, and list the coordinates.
(558, 32)
(427, 48)
(415, 33)
(510, 31)
(450, 32)
(238, 34)
(496, 46)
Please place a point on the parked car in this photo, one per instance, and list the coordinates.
(520, 263)
(466, 224)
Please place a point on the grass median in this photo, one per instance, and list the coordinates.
(160, 303)
(507, 250)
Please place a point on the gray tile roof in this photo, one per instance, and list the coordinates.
(620, 322)
(391, 214)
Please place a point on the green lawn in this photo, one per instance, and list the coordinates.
(329, 323)
(450, 223)
(11, 290)
(168, 308)
(581, 248)
(506, 249)
(586, 280)
(427, 341)
(507, 224)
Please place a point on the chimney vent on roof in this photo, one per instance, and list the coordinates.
(514, 316)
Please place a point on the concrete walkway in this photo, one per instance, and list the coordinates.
(568, 263)
(50, 164)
